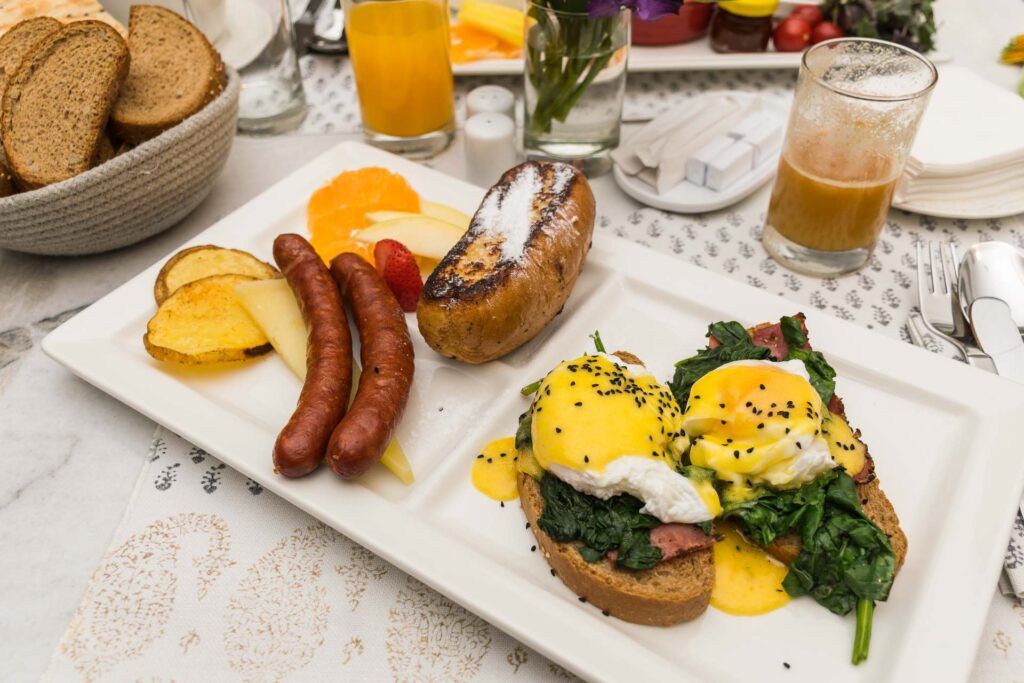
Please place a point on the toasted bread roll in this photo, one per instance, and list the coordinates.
(513, 270)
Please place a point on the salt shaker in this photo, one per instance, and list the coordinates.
(491, 98)
(490, 141)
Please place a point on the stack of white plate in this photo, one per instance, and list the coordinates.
(968, 158)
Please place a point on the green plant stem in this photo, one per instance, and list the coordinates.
(862, 636)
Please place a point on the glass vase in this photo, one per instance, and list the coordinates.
(575, 79)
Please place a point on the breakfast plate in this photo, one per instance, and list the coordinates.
(693, 56)
(944, 438)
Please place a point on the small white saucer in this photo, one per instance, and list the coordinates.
(689, 198)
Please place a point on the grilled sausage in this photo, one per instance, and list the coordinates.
(387, 359)
(302, 443)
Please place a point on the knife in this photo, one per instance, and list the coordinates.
(998, 336)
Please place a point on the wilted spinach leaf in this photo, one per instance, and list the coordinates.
(823, 376)
(735, 344)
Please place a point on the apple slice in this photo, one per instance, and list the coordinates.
(273, 307)
(445, 213)
(422, 235)
(382, 216)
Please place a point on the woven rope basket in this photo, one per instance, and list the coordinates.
(131, 197)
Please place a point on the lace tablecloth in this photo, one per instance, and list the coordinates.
(211, 577)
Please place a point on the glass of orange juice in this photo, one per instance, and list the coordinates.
(400, 54)
(856, 111)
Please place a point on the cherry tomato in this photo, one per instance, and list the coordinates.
(792, 35)
(809, 13)
(826, 30)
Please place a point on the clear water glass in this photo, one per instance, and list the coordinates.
(259, 41)
(575, 80)
(856, 110)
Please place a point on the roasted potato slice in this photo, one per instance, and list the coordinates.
(204, 322)
(196, 263)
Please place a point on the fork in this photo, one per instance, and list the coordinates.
(939, 301)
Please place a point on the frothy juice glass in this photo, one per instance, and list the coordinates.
(400, 56)
(856, 111)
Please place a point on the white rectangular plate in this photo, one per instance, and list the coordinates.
(693, 56)
(945, 440)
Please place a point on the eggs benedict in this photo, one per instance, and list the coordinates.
(621, 478)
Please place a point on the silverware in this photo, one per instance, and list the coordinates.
(321, 28)
(994, 269)
(998, 336)
(939, 302)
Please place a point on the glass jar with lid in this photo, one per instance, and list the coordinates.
(742, 25)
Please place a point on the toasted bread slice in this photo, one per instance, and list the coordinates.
(175, 72)
(56, 105)
(19, 41)
(669, 593)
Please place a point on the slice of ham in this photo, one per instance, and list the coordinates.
(770, 336)
(674, 540)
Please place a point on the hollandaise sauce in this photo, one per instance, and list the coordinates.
(748, 581)
(494, 470)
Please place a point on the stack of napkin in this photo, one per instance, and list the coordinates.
(968, 157)
(673, 147)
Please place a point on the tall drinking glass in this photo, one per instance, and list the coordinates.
(856, 111)
(400, 56)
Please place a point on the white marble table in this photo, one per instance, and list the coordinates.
(70, 455)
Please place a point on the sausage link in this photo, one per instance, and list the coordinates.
(301, 445)
(387, 359)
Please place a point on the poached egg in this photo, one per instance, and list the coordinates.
(757, 422)
(607, 427)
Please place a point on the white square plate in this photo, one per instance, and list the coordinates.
(945, 440)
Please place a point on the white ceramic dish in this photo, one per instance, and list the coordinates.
(693, 56)
(945, 439)
(965, 209)
(689, 198)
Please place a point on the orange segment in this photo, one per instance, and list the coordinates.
(340, 207)
(470, 44)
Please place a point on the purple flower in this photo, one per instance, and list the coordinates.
(648, 10)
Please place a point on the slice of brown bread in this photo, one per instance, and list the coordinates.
(56, 105)
(104, 150)
(19, 41)
(175, 72)
(669, 593)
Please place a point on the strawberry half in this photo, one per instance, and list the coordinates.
(397, 266)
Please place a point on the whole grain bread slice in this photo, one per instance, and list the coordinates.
(19, 41)
(175, 72)
(671, 592)
(56, 105)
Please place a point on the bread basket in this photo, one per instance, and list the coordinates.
(133, 196)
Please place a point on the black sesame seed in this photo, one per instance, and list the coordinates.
(799, 446)
(605, 612)
(762, 387)
(582, 599)
(785, 664)
(736, 454)
(654, 453)
(723, 421)
(772, 405)
(502, 503)
(578, 403)
(527, 525)
(721, 405)
(533, 548)
(554, 573)
(558, 430)
(696, 398)
(586, 458)
(572, 383)
(787, 430)
(760, 425)
(482, 455)
(376, 370)
(748, 404)
(750, 450)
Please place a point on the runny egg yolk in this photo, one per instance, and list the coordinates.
(748, 581)
(757, 422)
(592, 410)
(494, 470)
